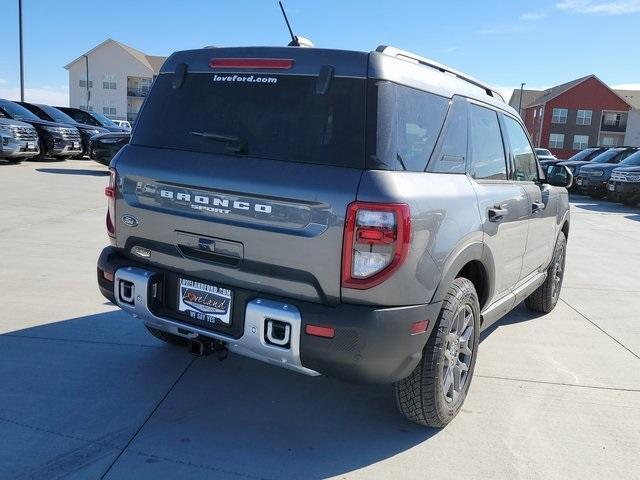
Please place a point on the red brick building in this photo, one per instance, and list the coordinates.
(575, 115)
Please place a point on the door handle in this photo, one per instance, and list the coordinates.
(537, 207)
(497, 213)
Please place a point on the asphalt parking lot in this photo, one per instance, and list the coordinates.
(86, 393)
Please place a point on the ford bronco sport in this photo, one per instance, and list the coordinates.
(357, 215)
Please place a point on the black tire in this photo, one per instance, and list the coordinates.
(597, 196)
(43, 152)
(167, 337)
(422, 397)
(545, 297)
(630, 202)
(14, 161)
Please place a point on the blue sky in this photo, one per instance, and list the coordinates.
(542, 43)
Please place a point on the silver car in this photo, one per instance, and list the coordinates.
(18, 140)
(362, 215)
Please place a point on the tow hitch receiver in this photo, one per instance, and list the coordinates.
(204, 348)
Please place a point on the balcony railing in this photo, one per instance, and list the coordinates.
(138, 91)
(614, 127)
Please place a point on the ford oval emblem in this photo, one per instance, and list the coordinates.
(130, 220)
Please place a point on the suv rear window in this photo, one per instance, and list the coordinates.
(280, 117)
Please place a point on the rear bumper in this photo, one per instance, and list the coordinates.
(370, 345)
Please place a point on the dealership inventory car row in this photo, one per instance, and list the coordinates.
(35, 131)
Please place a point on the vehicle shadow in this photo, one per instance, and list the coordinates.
(239, 415)
(599, 205)
(519, 314)
(75, 171)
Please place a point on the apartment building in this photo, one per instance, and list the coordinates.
(113, 79)
(579, 114)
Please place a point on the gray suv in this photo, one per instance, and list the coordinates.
(357, 215)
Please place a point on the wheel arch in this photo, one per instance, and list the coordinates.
(467, 263)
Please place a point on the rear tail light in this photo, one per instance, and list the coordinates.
(376, 242)
(110, 192)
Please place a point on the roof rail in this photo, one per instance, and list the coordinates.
(404, 55)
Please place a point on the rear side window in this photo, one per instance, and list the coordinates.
(407, 127)
(487, 150)
(451, 155)
(280, 117)
(525, 167)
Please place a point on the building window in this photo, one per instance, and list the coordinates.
(556, 140)
(109, 85)
(83, 83)
(535, 113)
(580, 142)
(613, 119)
(609, 141)
(109, 110)
(584, 117)
(559, 115)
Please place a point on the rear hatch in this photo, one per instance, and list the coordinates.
(241, 167)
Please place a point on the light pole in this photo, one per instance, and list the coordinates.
(21, 62)
(86, 64)
(520, 102)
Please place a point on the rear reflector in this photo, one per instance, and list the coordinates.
(318, 331)
(250, 63)
(107, 276)
(419, 327)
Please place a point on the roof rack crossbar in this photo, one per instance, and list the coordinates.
(403, 54)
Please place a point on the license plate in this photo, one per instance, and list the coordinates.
(76, 145)
(31, 146)
(205, 302)
(612, 187)
(579, 181)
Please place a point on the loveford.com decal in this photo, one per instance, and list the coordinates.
(244, 78)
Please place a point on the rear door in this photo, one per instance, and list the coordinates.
(241, 174)
(503, 203)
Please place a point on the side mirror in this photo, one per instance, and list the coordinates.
(559, 176)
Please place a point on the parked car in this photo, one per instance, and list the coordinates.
(124, 124)
(18, 140)
(583, 157)
(54, 139)
(52, 114)
(545, 157)
(91, 118)
(106, 145)
(593, 177)
(249, 214)
(624, 185)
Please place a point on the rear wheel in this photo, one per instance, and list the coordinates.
(167, 337)
(435, 391)
(545, 298)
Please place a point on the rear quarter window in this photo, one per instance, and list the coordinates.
(280, 117)
(408, 122)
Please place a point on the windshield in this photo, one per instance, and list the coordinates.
(583, 155)
(632, 160)
(105, 121)
(606, 156)
(280, 117)
(543, 152)
(56, 114)
(17, 112)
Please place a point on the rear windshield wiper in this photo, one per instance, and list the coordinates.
(234, 144)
